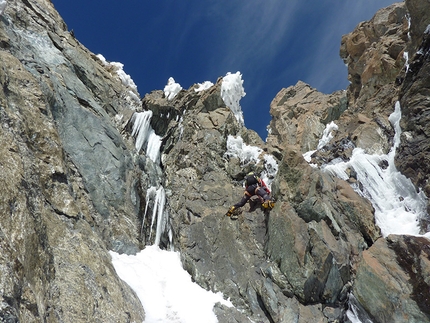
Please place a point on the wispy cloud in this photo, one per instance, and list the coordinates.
(254, 31)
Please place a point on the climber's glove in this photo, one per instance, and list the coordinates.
(230, 211)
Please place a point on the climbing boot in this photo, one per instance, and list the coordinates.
(268, 204)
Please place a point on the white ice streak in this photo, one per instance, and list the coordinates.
(231, 92)
(165, 289)
(327, 135)
(270, 170)
(408, 17)
(3, 4)
(145, 136)
(325, 139)
(406, 57)
(353, 313)
(203, 86)
(171, 89)
(40, 45)
(158, 198)
(398, 206)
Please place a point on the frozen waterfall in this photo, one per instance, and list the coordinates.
(157, 198)
(145, 136)
(398, 206)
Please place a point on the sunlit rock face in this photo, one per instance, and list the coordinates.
(300, 114)
(374, 52)
(399, 266)
(78, 181)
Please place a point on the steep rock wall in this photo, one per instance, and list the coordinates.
(65, 176)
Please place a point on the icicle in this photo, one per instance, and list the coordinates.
(150, 193)
(160, 199)
(153, 147)
(141, 127)
(159, 214)
(406, 57)
(146, 136)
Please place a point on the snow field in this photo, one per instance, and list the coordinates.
(165, 289)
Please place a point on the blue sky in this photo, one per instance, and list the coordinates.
(273, 43)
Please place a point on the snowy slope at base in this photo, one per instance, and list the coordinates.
(165, 288)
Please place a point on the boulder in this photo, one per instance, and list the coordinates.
(399, 266)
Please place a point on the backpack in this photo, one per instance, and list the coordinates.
(252, 179)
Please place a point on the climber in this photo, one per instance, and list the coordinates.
(256, 191)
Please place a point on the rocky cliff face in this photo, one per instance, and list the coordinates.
(75, 187)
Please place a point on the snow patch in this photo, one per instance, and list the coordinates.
(172, 88)
(327, 135)
(164, 288)
(270, 170)
(325, 139)
(231, 92)
(203, 86)
(118, 69)
(237, 148)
